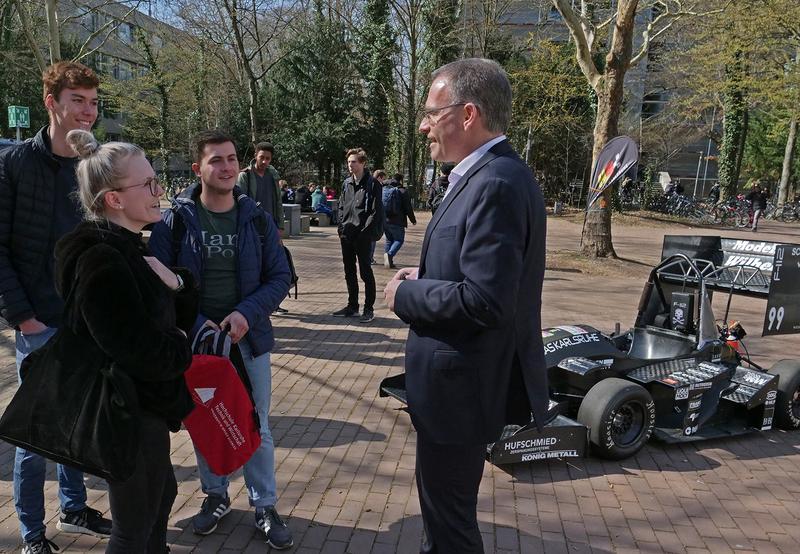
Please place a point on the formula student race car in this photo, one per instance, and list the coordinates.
(678, 374)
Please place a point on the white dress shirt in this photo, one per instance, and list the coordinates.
(466, 164)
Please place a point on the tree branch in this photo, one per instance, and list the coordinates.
(27, 29)
(670, 17)
(583, 50)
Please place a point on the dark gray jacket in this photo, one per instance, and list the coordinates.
(27, 200)
(360, 208)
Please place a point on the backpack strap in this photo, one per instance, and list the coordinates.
(178, 232)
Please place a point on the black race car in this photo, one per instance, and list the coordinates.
(678, 374)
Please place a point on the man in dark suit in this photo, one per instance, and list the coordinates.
(474, 356)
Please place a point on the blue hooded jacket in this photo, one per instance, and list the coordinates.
(263, 272)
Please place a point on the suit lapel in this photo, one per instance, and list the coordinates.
(499, 149)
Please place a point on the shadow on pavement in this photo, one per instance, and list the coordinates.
(236, 531)
(313, 432)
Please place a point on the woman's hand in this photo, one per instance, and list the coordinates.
(165, 274)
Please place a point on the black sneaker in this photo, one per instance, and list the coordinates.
(87, 521)
(347, 311)
(278, 535)
(367, 316)
(214, 508)
(280, 310)
(40, 546)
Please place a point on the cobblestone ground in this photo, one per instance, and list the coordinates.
(345, 457)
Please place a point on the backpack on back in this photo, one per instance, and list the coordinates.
(392, 202)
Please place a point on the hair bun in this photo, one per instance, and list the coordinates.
(82, 142)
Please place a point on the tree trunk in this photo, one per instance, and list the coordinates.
(252, 98)
(163, 133)
(734, 129)
(788, 158)
(53, 33)
(596, 237)
(232, 8)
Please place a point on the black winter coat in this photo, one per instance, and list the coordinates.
(27, 200)
(127, 313)
(360, 208)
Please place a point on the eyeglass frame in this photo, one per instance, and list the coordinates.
(153, 182)
(429, 114)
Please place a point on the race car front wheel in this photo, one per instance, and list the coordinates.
(787, 404)
(620, 416)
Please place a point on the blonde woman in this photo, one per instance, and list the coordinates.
(132, 309)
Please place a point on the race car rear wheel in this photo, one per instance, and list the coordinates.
(620, 416)
(787, 404)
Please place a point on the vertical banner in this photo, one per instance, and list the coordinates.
(783, 311)
(613, 161)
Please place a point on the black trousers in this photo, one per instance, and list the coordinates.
(448, 477)
(352, 250)
(140, 506)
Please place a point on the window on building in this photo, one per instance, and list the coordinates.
(554, 14)
(125, 33)
(653, 104)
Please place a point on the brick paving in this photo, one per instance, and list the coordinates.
(345, 457)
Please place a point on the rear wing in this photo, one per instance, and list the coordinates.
(761, 269)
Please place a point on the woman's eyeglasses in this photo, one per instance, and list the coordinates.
(152, 182)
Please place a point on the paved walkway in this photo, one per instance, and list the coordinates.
(345, 457)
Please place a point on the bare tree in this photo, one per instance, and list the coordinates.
(607, 80)
(61, 12)
(251, 29)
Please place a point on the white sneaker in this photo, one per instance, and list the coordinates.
(387, 263)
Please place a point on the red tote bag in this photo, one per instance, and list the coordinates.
(224, 425)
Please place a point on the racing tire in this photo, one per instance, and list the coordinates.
(620, 416)
(787, 404)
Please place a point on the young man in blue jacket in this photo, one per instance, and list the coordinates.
(233, 249)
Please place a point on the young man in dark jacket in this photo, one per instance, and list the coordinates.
(37, 207)
(260, 180)
(232, 248)
(360, 215)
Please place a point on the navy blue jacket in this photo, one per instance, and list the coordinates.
(27, 203)
(263, 272)
(474, 355)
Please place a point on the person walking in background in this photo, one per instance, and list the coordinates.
(233, 250)
(758, 199)
(474, 355)
(260, 180)
(397, 209)
(380, 176)
(360, 215)
(37, 207)
(105, 258)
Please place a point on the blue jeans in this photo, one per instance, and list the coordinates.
(395, 235)
(327, 211)
(259, 471)
(30, 468)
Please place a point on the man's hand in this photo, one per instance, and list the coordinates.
(31, 326)
(389, 292)
(237, 326)
(211, 324)
(406, 274)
